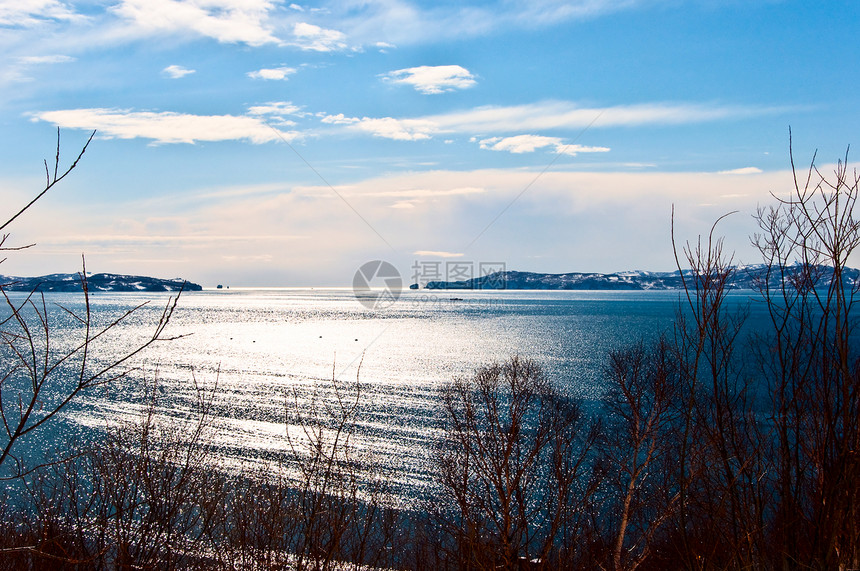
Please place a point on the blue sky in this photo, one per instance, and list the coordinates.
(260, 142)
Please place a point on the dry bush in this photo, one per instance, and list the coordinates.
(139, 494)
(323, 506)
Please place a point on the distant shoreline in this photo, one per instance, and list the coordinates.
(743, 277)
(96, 283)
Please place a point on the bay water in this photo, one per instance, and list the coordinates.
(271, 359)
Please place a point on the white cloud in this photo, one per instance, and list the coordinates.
(629, 211)
(639, 165)
(339, 119)
(164, 127)
(314, 38)
(177, 71)
(568, 115)
(433, 79)
(51, 59)
(549, 12)
(530, 143)
(744, 170)
(414, 193)
(626, 213)
(545, 116)
(406, 22)
(275, 108)
(20, 67)
(27, 13)
(574, 150)
(277, 112)
(277, 73)
(397, 129)
(228, 21)
(437, 254)
(149, 239)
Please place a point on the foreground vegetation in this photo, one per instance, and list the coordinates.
(710, 450)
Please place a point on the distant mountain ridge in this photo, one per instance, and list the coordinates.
(95, 282)
(743, 277)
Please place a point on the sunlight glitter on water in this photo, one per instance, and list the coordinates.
(261, 353)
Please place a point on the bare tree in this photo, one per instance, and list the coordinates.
(51, 179)
(720, 472)
(637, 448)
(810, 360)
(767, 460)
(54, 489)
(38, 379)
(514, 482)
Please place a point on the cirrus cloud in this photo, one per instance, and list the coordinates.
(529, 143)
(28, 13)
(404, 22)
(51, 59)
(543, 116)
(20, 68)
(165, 127)
(568, 115)
(437, 254)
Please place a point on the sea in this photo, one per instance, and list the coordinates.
(271, 362)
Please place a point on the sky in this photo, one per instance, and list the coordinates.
(269, 143)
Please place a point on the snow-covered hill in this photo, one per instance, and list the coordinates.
(742, 277)
(95, 282)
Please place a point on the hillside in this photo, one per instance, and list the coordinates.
(95, 282)
(743, 277)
